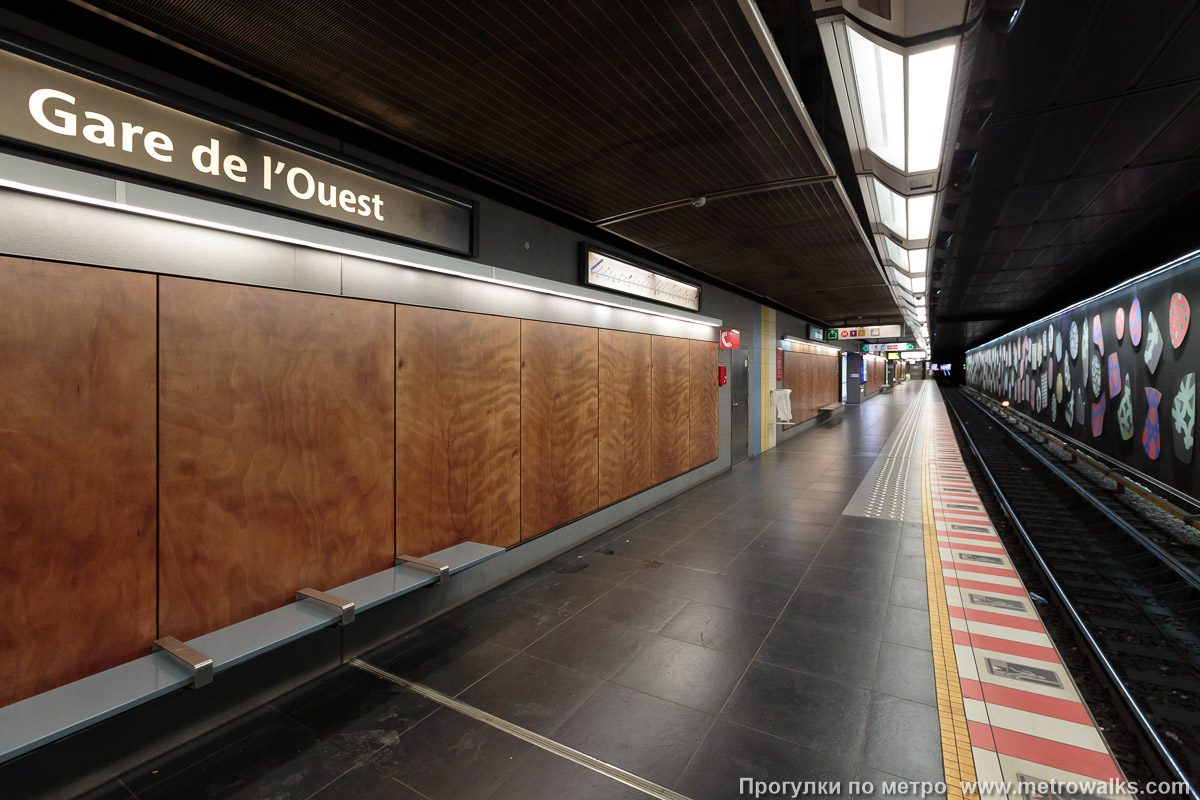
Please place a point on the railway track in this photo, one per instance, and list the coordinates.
(1127, 586)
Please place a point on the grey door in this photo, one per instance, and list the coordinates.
(739, 421)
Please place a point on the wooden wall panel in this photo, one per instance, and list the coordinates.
(791, 380)
(276, 448)
(813, 379)
(458, 429)
(559, 424)
(827, 390)
(671, 406)
(703, 434)
(77, 471)
(625, 408)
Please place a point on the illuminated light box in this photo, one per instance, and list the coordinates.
(605, 271)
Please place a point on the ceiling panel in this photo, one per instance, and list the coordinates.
(1086, 172)
(615, 111)
(793, 244)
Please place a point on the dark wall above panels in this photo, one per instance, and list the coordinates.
(1088, 170)
(603, 111)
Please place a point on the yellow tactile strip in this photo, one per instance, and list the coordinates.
(958, 762)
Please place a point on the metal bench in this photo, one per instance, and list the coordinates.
(44, 718)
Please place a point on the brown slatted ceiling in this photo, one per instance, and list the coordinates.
(599, 107)
(789, 244)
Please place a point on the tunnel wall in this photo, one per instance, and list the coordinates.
(1116, 372)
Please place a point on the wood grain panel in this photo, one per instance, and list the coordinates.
(458, 429)
(671, 406)
(625, 409)
(77, 463)
(559, 424)
(827, 389)
(703, 441)
(791, 380)
(276, 414)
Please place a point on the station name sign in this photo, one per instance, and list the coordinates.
(54, 110)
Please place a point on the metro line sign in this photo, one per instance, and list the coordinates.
(868, 332)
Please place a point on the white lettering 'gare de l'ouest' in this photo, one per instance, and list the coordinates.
(55, 111)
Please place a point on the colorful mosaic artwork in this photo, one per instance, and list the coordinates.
(1097, 334)
(1181, 314)
(1114, 375)
(1098, 416)
(1183, 418)
(1154, 343)
(1058, 388)
(1151, 434)
(1135, 323)
(1074, 340)
(1125, 413)
(1119, 323)
(1096, 375)
(1058, 345)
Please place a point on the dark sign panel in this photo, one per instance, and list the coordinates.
(55, 110)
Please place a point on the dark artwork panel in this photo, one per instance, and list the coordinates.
(1123, 378)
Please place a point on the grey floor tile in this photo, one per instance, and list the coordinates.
(448, 661)
(733, 526)
(907, 626)
(507, 621)
(638, 732)
(909, 592)
(837, 612)
(847, 582)
(637, 608)
(662, 529)
(688, 674)
(694, 556)
(731, 752)
(567, 592)
(535, 694)
(904, 739)
(284, 760)
(364, 716)
(772, 546)
(364, 782)
(541, 775)
(745, 594)
(725, 629)
(639, 548)
(863, 559)
(450, 756)
(785, 572)
(811, 711)
(906, 672)
(838, 655)
(592, 646)
(910, 567)
(602, 566)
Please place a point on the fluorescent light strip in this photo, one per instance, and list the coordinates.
(1123, 284)
(219, 226)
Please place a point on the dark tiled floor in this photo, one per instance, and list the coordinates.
(743, 629)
